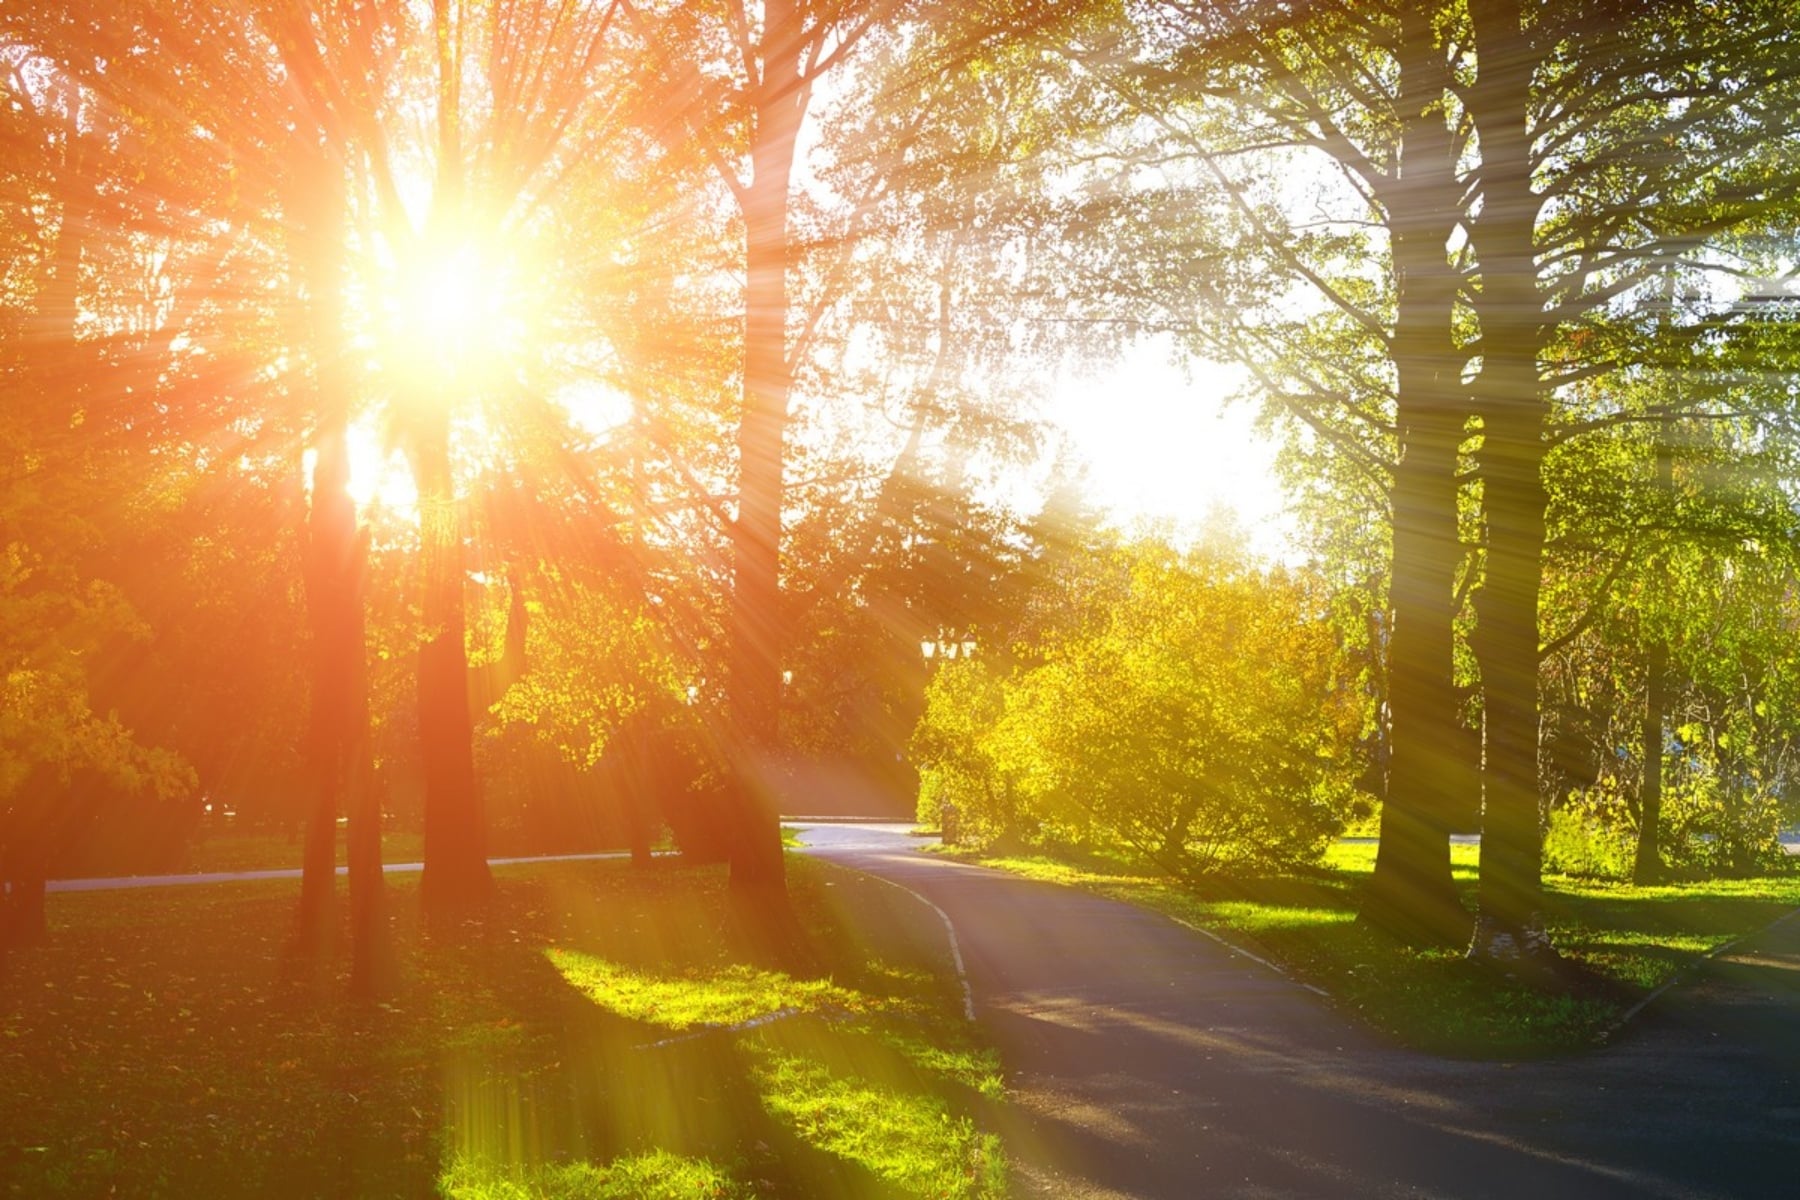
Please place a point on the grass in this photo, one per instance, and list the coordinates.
(1630, 940)
(226, 852)
(657, 1175)
(230, 850)
(596, 1036)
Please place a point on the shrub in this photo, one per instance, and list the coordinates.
(1202, 717)
(953, 746)
(1584, 842)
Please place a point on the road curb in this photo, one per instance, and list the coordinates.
(1685, 974)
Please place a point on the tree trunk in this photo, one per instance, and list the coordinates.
(1647, 868)
(758, 869)
(25, 854)
(456, 873)
(1510, 927)
(339, 705)
(338, 749)
(1411, 894)
(26, 901)
(331, 534)
(370, 954)
(22, 918)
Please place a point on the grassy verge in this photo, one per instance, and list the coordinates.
(1630, 938)
(276, 852)
(596, 1036)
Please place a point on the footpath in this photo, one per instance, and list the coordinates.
(1145, 1060)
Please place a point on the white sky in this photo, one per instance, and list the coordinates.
(1162, 444)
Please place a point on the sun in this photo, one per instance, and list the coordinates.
(452, 296)
(453, 311)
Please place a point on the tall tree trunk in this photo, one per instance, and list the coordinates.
(369, 949)
(456, 872)
(25, 919)
(1510, 926)
(25, 857)
(370, 953)
(1411, 894)
(331, 533)
(1647, 868)
(758, 870)
(336, 558)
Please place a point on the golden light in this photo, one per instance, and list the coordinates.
(379, 477)
(453, 311)
(452, 297)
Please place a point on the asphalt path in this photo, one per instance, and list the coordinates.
(1145, 1060)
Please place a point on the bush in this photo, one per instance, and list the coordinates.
(1717, 826)
(952, 744)
(1584, 842)
(1201, 716)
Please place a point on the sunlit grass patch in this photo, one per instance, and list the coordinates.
(728, 996)
(1266, 918)
(1358, 858)
(974, 1067)
(906, 1138)
(656, 1175)
(1051, 869)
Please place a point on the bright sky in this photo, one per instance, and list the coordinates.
(1162, 444)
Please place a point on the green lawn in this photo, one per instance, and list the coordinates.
(596, 1037)
(1630, 938)
(274, 852)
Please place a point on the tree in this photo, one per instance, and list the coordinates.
(1190, 708)
(1496, 169)
(515, 96)
(1575, 221)
(736, 87)
(746, 107)
(1318, 147)
(68, 347)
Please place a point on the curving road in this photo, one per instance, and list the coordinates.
(1146, 1060)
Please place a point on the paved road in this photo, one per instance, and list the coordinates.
(1146, 1060)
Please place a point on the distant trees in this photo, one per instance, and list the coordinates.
(1189, 708)
(106, 438)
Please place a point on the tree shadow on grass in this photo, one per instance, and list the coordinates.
(153, 1047)
(805, 1086)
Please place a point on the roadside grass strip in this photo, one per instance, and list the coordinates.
(657, 1175)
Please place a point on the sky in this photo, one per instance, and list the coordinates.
(1161, 443)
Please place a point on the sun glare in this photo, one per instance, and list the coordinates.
(453, 297)
(379, 477)
(453, 310)
(1161, 443)
(378, 473)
